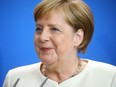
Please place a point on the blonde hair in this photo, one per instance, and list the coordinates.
(75, 12)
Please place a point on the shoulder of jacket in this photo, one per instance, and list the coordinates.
(24, 69)
(103, 67)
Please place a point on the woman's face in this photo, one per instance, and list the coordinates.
(54, 39)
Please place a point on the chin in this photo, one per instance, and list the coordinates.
(47, 60)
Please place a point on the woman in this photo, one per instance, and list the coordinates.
(63, 28)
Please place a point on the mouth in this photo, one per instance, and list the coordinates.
(46, 49)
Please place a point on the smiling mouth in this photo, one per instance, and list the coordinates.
(45, 49)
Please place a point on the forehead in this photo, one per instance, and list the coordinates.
(53, 16)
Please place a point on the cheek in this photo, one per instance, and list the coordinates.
(36, 40)
(62, 45)
(36, 43)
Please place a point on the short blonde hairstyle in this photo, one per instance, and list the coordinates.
(75, 12)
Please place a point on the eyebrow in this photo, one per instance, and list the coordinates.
(50, 25)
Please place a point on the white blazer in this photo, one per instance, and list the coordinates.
(95, 74)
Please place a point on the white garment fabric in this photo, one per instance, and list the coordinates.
(95, 74)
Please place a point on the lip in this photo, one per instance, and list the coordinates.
(45, 49)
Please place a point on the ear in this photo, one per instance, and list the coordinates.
(78, 38)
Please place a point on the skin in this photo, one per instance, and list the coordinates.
(56, 45)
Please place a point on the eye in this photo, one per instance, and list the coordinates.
(38, 29)
(55, 29)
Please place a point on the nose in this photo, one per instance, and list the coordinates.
(44, 36)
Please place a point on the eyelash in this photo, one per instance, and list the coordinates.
(55, 29)
(38, 29)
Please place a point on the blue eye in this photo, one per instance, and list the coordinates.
(38, 29)
(55, 29)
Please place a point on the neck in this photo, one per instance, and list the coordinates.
(62, 71)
